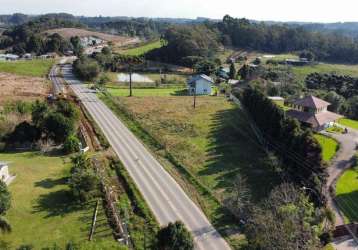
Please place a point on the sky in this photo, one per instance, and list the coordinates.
(275, 10)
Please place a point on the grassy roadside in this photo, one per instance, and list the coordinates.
(349, 123)
(141, 49)
(329, 146)
(201, 194)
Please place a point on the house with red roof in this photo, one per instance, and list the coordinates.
(312, 111)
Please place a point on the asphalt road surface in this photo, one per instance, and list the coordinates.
(164, 196)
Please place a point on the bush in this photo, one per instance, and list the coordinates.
(86, 69)
(5, 198)
(71, 145)
(175, 236)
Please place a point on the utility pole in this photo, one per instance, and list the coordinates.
(194, 95)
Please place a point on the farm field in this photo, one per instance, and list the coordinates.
(349, 123)
(42, 211)
(141, 49)
(329, 146)
(22, 88)
(34, 68)
(340, 69)
(347, 194)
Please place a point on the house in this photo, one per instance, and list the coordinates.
(312, 111)
(4, 173)
(298, 62)
(200, 85)
(8, 57)
(27, 56)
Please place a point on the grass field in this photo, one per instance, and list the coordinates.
(329, 146)
(36, 68)
(213, 143)
(347, 194)
(349, 123)
(146, 91)
(43, 212)
(141, 50)
(340, 69)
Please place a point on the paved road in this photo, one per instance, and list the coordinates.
(339, 164)
(164, 196)
(57, 85)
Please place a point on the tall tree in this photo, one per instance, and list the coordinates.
(175, 236)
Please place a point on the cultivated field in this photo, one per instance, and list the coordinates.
(141, 92)
(70, 32)
(24, 88)
(43, 211)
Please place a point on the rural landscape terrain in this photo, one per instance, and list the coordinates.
(180, 134)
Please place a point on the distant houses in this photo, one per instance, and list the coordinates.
(200, 85)
(8, 57)
(312, 111)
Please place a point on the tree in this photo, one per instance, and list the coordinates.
(336, 101)
(58, 127)
(71, 145)
(233, 73)
(24, 132)
(76, 45)
(284, 221)
(86, 69)
(174, 236)
(5, 203)
(39, 112)
(207, 67)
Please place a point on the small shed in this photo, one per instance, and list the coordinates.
(200, 85)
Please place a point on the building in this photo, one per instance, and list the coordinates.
(312, 111)
(224, 73)
(4, 173)
(8, 57)
(200, 85)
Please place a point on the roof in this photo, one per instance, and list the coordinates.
(316, 120)
(311, 102)
(198, 77)
(233, 81)
(276, 98)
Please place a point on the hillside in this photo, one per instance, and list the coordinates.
(70, 32)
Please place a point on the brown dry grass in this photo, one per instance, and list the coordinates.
(24, 88)
(70, 32)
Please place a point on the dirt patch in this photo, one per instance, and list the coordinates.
(70, 32)
(15, 87)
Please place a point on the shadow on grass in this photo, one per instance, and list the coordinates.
(51, 183)
(234, 150)
(181, 92)
(57, 203)
(348, 203)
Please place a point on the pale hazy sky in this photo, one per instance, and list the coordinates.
(279, 10)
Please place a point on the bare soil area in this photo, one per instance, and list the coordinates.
(15, 87)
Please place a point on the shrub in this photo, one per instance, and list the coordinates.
(71, 145)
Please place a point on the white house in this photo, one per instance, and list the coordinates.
(4, 174)
(200, 85)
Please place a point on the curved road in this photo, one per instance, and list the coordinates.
(164, 196)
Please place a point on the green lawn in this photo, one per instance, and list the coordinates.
(141, 50)
(347, 194)
(36, 68)
(329, 146)
(349, 123)
(43, 211)
(146, 91)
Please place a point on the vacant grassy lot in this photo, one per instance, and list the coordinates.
(349, 123)
(347, 194)
(146, 91)
(43, 211)
(141, 50)
(35, 68)
(340, 69)
(329, 146)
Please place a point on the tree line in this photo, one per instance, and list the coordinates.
(299, 151)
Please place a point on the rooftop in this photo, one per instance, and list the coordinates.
(311, 102)
(202, 76)
(316, 120)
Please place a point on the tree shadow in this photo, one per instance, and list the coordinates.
(234, 150)
(57, 203)
(348, 203)
(51, 183)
